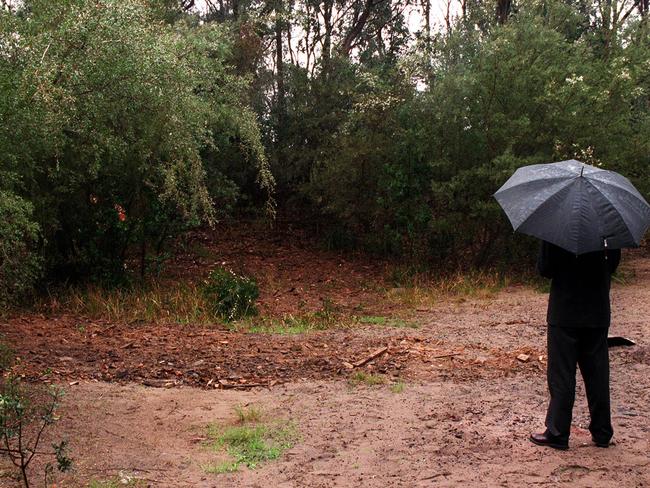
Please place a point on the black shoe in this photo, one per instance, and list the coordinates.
(545, 439)
(600, 444)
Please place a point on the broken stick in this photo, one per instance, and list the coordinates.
(374, 355)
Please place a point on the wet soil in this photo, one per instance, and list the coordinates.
(471, 384)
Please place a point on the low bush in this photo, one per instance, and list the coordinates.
(229, 295)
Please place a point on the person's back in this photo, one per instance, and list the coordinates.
(580, 285)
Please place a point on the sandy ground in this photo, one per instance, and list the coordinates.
(460, 420)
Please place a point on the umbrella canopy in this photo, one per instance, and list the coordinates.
(578, 207)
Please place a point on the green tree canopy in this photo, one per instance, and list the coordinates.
(107, 108)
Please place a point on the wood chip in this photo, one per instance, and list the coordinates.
(524, 358)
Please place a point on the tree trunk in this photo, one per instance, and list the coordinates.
(143, 257)
(327, 40)
(281, 95)
(503, 10)
(426, 6)
(357, 27)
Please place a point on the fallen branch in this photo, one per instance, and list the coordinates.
(451, 354)
(234, 386)
(437, 475)
(374, 355)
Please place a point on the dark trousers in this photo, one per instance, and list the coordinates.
(586, 348)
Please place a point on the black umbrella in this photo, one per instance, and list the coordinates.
(578, 207)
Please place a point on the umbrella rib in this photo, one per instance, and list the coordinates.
(547, 200)
(627, 227)
(547, 180)
(617, 185)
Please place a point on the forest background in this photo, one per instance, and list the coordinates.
(127, 122)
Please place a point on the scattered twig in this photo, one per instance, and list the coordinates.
(372, 356)
(451, 354)
(437, 475)
(235, 386)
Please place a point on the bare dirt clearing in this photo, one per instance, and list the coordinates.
(461, 414)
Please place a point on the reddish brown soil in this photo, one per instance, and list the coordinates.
(282, 260)
(56, 350)
(462, 418)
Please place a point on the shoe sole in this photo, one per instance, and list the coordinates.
(560, 447)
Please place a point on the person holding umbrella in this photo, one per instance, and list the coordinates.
(583, 215)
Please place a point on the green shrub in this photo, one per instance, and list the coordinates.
(230, 296)
(20, 266)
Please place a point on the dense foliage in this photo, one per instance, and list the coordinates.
(125, 122)
(108, 111)
(19, 262)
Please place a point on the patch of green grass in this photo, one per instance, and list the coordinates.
(221, 468)
(250, 445)
(388, 322)
(328, 317)
(288, 325)
(397, 387)
(367, 379)
(373, 320)
(248, 414)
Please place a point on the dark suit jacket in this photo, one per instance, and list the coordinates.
(579, 287)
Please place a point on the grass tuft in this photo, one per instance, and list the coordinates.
(624, 276)
(397, 387)
(328, 317)
(248, 414)
(388, 322)
(251, 442)
(367, 379)
(221, 468)
(181, 303)
(250, 445)
(424, 290)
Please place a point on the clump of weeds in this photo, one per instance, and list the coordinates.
(368, 379)
(251, 442)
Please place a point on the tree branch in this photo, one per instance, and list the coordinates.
(357, 27)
